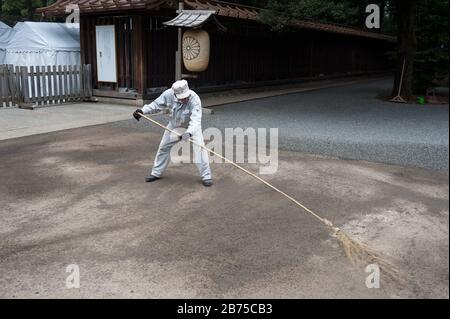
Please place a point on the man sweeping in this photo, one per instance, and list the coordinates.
(186, 109)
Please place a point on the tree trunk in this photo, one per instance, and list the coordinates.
(382, 12)
(30, 9)
(407, 43)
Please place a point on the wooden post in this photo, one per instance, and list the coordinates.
(38, 84)
(71, 83)
(32, 90)
(20, 96)
(89, 76)
(27, 87)
(3, 89)
(55, 85)
(76, 86)
(60, 84)
(82, 83)
(44, 85)
(139, 56)
(65, 79)
(9, 85)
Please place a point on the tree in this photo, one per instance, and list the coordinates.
(29, 9)
(396, 15)
(280, 13)
(431, 63)
(253, 3)
(21, 10)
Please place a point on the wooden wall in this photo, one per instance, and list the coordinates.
(129, 48)
(251, 53)
(161, 48)
(248, 52)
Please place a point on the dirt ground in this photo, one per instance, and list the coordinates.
(79, 197)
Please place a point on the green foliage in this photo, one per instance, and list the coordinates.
(21, 10)
(431, 60)
(253, 3)
(279, 13)
(431, 63)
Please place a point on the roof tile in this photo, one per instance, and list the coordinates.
(222, 9)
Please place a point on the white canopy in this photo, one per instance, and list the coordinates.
(44, 43)
(6, 33)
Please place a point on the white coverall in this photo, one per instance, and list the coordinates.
(187, 116)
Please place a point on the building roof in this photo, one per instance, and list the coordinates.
(6, 34)
(224, 8)
(99, 6)
(221, 8)
(194, 19)
(341, 29)
(190, 18)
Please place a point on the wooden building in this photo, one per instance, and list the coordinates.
(247, 53)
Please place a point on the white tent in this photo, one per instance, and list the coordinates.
(44, 43)
(6, 33)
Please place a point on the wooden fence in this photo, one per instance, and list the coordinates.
(43, 85)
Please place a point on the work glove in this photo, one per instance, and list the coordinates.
(185, 137)
(137, 114)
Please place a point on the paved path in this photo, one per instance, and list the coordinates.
(348, 122)
(15, 122)
(79, 197)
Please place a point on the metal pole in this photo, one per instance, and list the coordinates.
(178, 56)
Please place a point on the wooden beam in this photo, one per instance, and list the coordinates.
(139, 55)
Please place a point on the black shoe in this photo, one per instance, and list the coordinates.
(208, 182)
(151, 178)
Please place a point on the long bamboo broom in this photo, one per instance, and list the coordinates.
(359, 253)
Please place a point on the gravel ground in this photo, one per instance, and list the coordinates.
(347, 122)
(78, 197)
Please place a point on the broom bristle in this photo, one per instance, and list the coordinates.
(361, 254)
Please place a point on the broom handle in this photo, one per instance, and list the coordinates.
(323, 220)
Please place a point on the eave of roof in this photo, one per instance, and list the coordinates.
(334, 28)
(190, 18)
(99, 6)
(224, 9)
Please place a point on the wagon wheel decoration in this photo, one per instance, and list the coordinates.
(191, 48)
